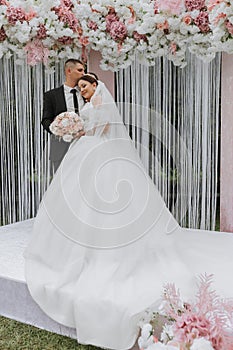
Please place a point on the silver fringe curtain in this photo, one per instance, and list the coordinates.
(23, 144)
(172, 116)
(175, 126)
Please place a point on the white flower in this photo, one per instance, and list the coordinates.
(65, 122)
(146, 331)
(157, 346)
(67, 138)
(161, 346)
(146, 338)
(201, 344)
(167, 333)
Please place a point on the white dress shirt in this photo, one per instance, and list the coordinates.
(69, 99)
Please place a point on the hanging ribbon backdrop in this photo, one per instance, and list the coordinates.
(23, 144)
(180, 109)
(178, 141)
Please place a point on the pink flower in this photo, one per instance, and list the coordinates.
(15, 14)
(36, 52)
(4, 2)
(213, 3)
(119, 47)
(67, 3)
(67, 16)
(30, 15)
(84, 54)
(229, 27)
(171, 6)
(133, 18)
(92, 25)
(189, 326)
(110, 19)
(156, 8)
(138, 37)
(210, 317)
(220, 16)
(173, 48)
(84, 40)
(118, 31)
(194, 4)
(66, 40)
(187, 19)
(3, 35)
(163, 26)
(202, 21)
(41, 33)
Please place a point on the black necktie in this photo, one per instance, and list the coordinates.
(75, 100)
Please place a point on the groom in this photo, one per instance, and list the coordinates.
(64, 98)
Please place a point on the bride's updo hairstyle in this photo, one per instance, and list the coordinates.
(89, 78)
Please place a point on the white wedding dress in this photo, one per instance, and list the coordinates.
(104, 243)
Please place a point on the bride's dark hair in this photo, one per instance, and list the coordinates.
(88, 78)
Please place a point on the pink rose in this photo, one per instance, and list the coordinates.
(41, 33)
(66, 16)
(66, 40)
(118, 31)
(202, 21)
(92, 25)
(110, 19)
(67, 3)
(15, 14)
(194, 4)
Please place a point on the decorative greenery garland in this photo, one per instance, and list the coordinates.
(47, 31)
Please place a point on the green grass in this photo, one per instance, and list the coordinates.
(19, 336)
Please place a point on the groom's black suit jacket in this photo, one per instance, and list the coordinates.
(54, 104)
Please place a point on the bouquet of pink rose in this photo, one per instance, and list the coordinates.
(67, 125)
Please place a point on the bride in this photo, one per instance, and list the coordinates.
(104, 242)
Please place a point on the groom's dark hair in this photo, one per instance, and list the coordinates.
(72, 61)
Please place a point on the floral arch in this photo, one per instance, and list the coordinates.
(47, 31)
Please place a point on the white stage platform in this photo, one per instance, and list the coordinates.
(15, 301)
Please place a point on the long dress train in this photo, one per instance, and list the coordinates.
(104, 242)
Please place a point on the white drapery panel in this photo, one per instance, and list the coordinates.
(23, 144)
(173, 117)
